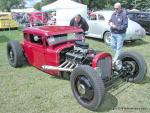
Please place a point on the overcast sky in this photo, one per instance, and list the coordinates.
(30, 3)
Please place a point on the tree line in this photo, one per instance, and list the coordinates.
(92, 4)
(105, 4)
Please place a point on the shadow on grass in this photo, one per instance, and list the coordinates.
(136, 43)
(146, 80)
(26, 64)
(109, 103)
(3, 39)
(95, 39)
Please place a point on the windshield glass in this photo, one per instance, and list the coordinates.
(63, 38)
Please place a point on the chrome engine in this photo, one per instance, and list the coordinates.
(78, 54)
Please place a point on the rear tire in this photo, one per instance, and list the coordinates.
(107, 38)
(87, 87)
(135, 66)
(15, 53)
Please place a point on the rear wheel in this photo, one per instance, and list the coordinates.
(134, 66)
(15, 54)
(107, 38)
(87, 86)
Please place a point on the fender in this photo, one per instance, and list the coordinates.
(98, 56)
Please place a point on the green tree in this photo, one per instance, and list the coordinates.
(80, 1)
(38, 6)
(7, 4)
(108, 4)
(137, 3)
(146, 4)
(45, 2)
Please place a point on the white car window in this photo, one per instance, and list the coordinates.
(92, 17)
(101, 17)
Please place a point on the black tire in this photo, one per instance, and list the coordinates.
(87, 87)
(134, 66)
(15, 53)
(107, 38)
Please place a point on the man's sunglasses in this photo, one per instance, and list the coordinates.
(116, 8)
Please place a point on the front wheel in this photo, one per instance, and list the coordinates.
(134, 66)
(107, 38)
(87, 87)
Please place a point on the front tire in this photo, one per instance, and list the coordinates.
(15, 53)
(87, 87)
(134, 66)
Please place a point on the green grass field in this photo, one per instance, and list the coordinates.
(28, 90)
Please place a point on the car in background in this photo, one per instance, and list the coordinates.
(99, 28)
(146, 10)
(7, 21)
(143, 18)
(37, 18)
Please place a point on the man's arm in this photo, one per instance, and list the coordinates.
(86, 26)
(111, 24)
(71, 22)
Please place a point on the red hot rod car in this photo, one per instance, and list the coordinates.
(61, 51)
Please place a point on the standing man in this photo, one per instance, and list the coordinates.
(118, 25)
(79, 22)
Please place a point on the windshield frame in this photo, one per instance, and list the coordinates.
(56, 39)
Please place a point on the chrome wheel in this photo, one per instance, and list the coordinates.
(107, 38)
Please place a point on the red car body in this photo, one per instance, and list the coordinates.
(37, 17)
(39, 55)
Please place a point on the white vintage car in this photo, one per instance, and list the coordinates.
(99, 28)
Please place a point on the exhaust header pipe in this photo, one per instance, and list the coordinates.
(47, 67)
(65, 66)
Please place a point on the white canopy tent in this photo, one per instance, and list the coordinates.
(66, 10)
(27, 10)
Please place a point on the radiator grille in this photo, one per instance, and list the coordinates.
(105, 67)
